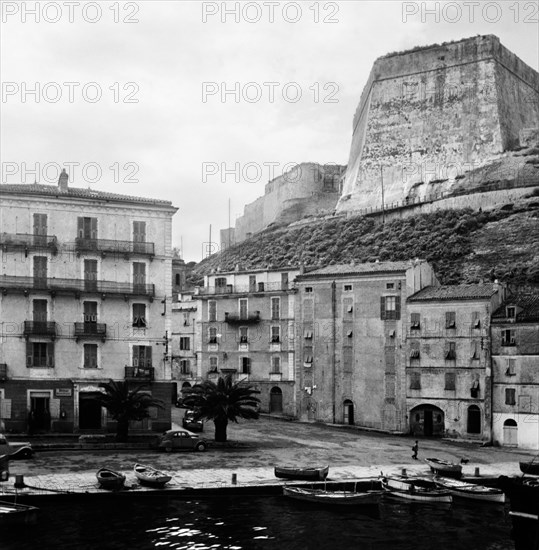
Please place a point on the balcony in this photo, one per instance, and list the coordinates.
(116, 248)
(139, 373)
(28, 242)
(74, 286)
(44, 329)
(247, 289)
(3, 371)
(237, 319)
(90, 330)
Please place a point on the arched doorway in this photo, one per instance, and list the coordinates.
(510, 433)
(276, 400)
(427, 420)
(474, 420)
(348, 412)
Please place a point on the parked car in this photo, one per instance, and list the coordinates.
(182, 439)
(189, 422)
(15, 449)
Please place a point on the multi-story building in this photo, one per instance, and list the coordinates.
(351, 331)
(85, 291)
(247, 330)
(515, 358)
(448, 365)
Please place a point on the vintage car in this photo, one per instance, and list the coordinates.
(189, 422)
(15, 449)
(173, 440)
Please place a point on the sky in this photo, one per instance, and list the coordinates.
(202, 103)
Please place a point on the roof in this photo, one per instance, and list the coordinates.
(76, 192)
(359, 269)
(527, 301)
(482, 291)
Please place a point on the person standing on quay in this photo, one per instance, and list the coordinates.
(415, 448)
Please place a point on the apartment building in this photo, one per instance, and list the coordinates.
(448, 363)
(247, 330)
(350, 364)
(515, 358)
(85, 291)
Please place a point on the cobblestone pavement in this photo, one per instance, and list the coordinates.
(253, 450)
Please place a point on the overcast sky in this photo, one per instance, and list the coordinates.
(133, 117)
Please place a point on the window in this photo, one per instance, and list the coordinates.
(40, 230)
(185, 343)
(213, 364)
(186, 320)
(243, 308)
(185, 366)
(90, 312)
(510, 396)
(414, 350)
(390, 286)
(276, 364)
(308, 289)
(508, 337)
(90, 275)
(450, 319)
(212, 310)
(244, 335)
(415, 381)
(450, 381)
(40, 354)
(451, 350)
(475, 349)
(90, 356)
(139, 274)
(142, 356)
(178, 279)
(252, 283)
(212, 335)
(284, 281)
(40, 311)
(510, 368)
(350, 333)
(275, 334)
(87, 228)
(220, 283)
(308, 360)
(275, 308)
(415, 321)
(246, 365)
(474, 390)
(260, 287)
(390, 307)
(511, 312)
(139, 232)
(476, 319)
(40, 270)
(308, 334)
(139, 315)
(348, 288)
(348, 308)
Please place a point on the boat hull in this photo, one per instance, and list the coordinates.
(340, 498)
(531, 467)
(416, 492)
(306, 474)
(110, 480)
(17, 514)
(150, 476)
(470, 491)
(443, 468)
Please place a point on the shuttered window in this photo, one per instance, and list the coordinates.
(390, 308)
(90, 356)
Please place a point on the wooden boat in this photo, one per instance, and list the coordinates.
(150, 476)
(347, 498)
(17, 514)
(523, 494)
(316, 473)
(470, 491)
(444, 467)
(415, 488)
(530, 467)
(109, 479)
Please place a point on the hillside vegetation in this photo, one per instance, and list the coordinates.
(462, 245)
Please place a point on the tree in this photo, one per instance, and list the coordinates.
(222, 402)
(125, 405)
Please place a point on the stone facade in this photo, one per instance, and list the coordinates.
(448, 365)
(350, 322)
(515, 358)
(85, 289)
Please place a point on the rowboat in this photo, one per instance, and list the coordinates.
(470, 491)
(444, 467)
(317, 473)
(415, 488)
(346, 498)
(17, 514)
(109, 479)
(530, 467)
(150, 476)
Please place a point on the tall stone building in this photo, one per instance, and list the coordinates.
(85, 295)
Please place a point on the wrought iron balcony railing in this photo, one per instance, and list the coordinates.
(139, 373)
(90, 330)
(246, 289)
(40, 328)
(27, 242)
(237, 319)
(74, 286)
(111, 246)
(3, 371)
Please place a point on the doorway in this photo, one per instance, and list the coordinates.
(40, 415)
(89, 411)
(276, 400)
(348, 412)
(510, 433)
(474, 420)
(427, 427)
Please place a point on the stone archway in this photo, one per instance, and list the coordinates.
(510, 433)
(427, 420)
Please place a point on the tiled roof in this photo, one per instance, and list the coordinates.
(358, 269)
(53, 190)
(527, 300)
(454, 292)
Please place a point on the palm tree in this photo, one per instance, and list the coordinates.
(222, 401)
(125, 405)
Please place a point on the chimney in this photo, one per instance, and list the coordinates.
(62, 181)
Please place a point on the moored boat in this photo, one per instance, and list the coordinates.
(150, 476)
(444, 467)
(530, 467)
(322, 496)
(415, 488)
(470, 491)
(17, 514)
(310, 473)
(109, 479)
